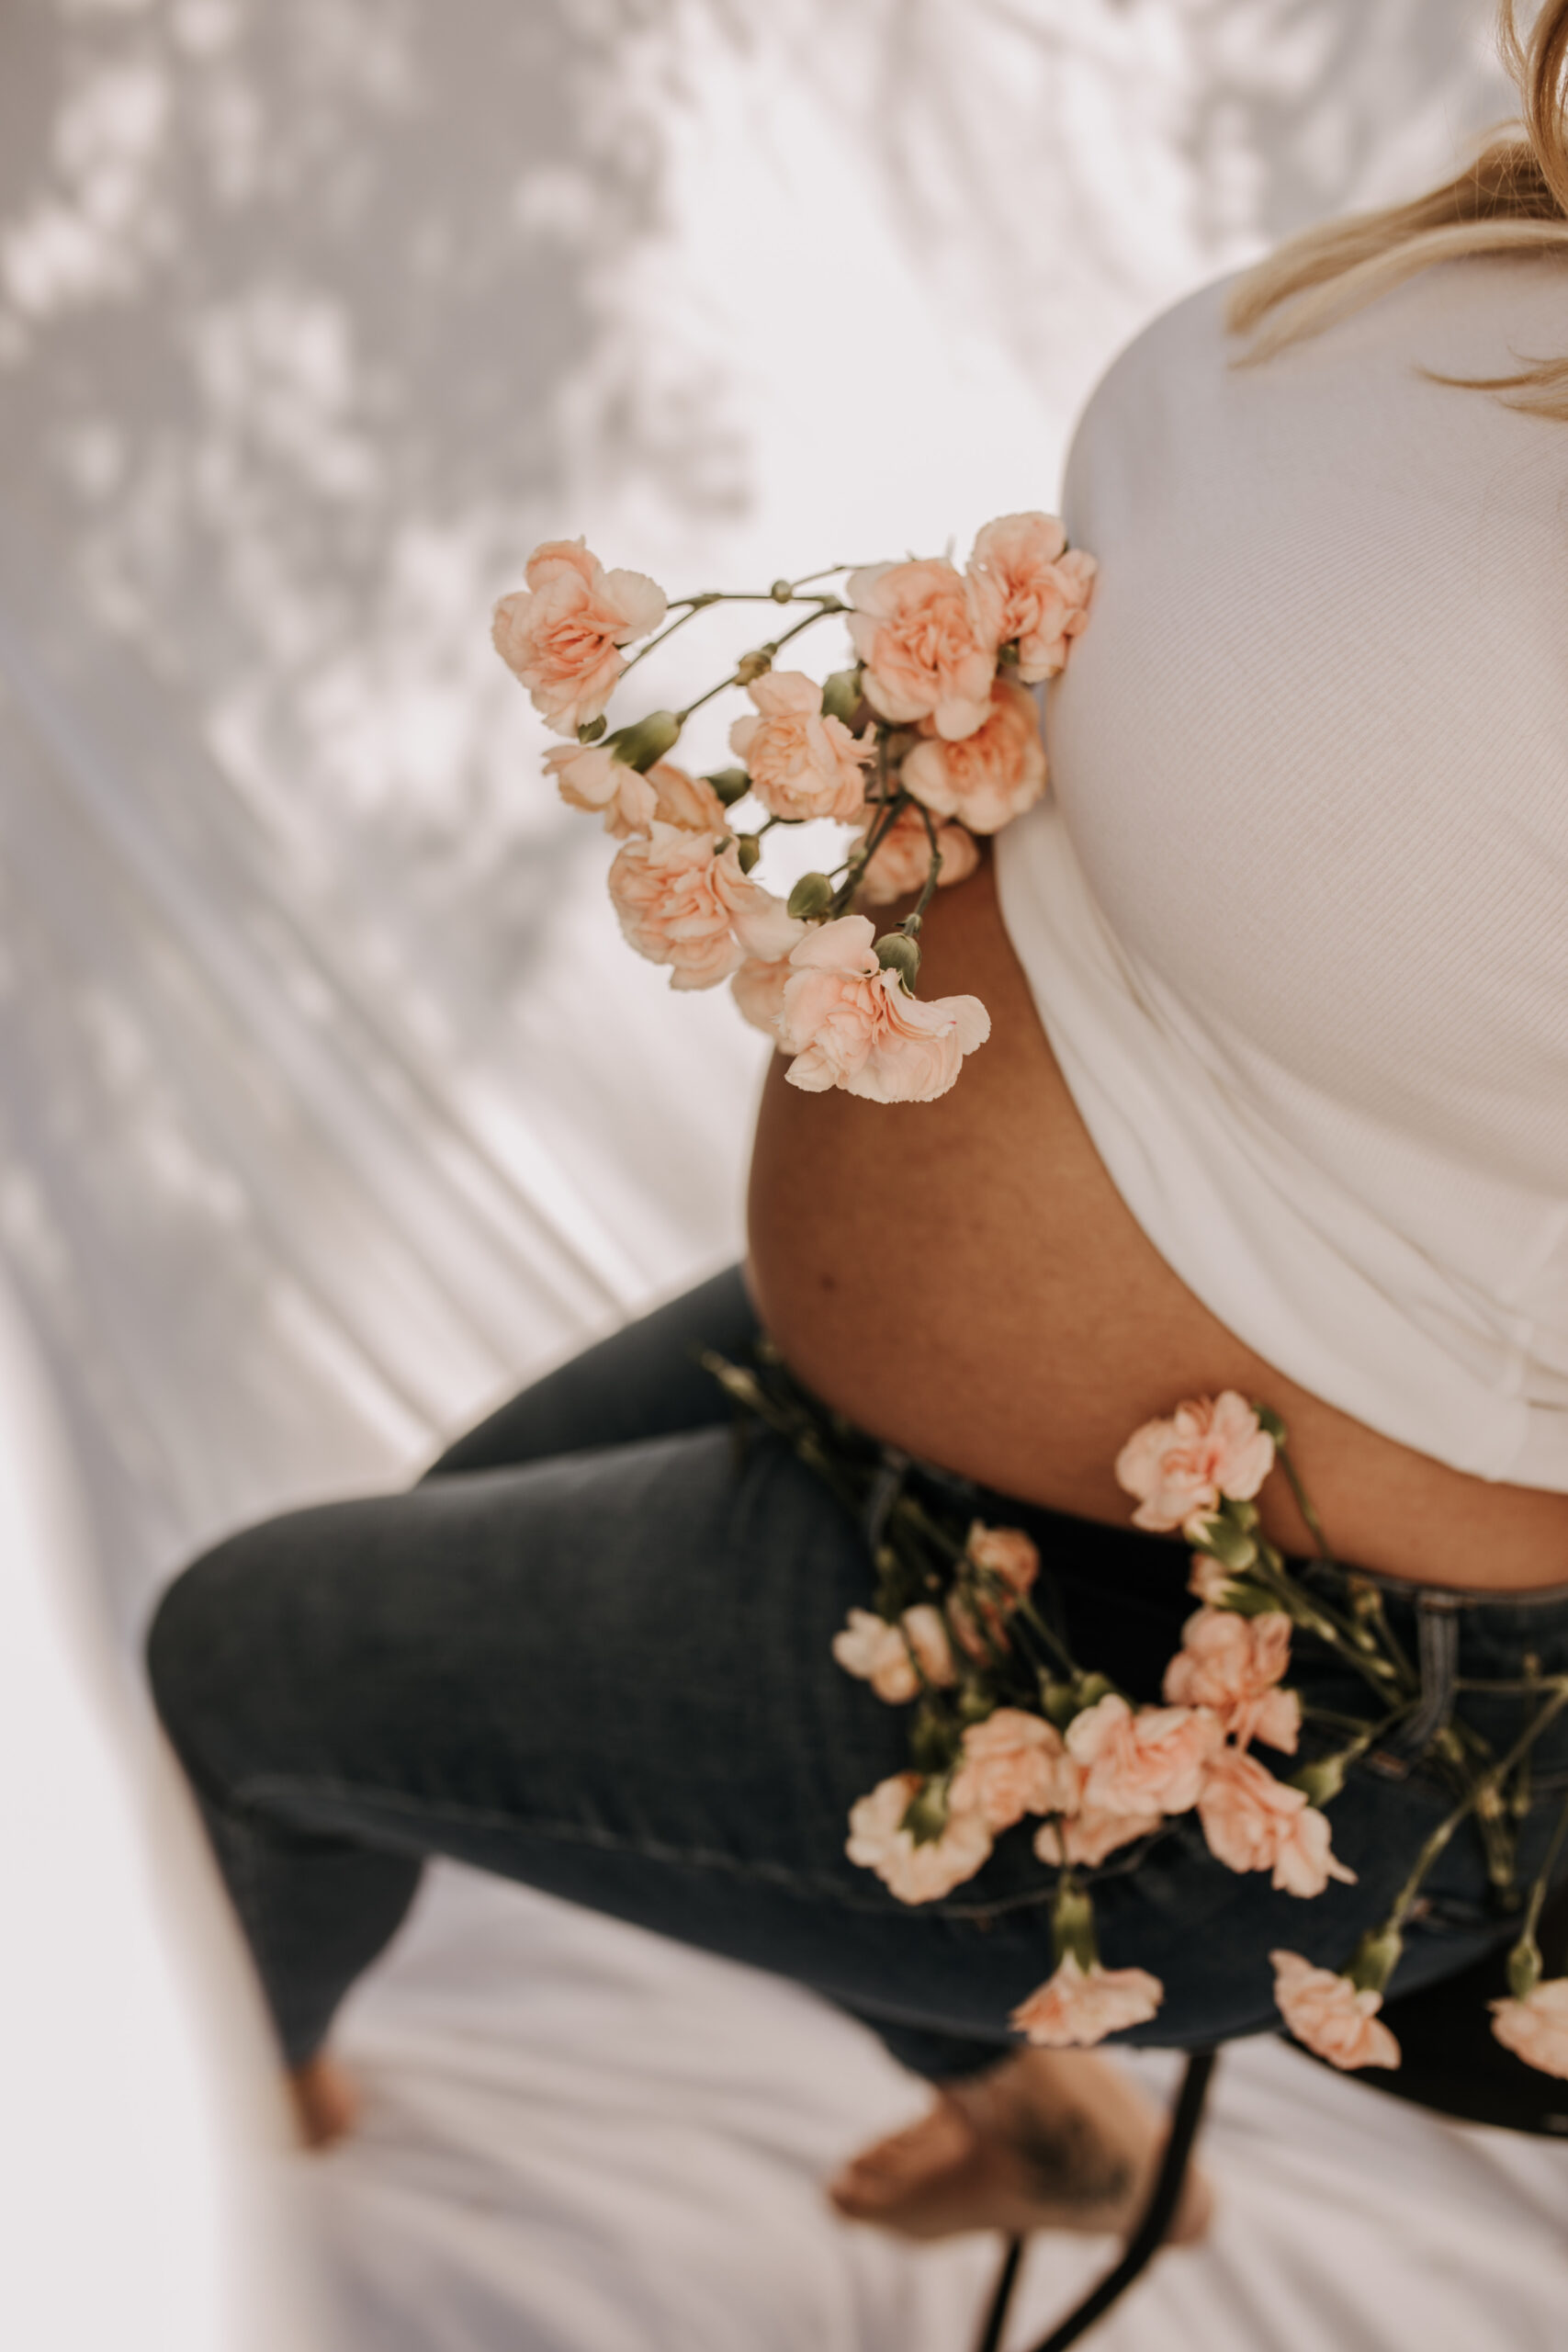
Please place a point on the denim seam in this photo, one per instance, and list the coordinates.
(614, 1841)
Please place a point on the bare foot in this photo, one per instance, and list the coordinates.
(1049, 2139)
(324, 2099)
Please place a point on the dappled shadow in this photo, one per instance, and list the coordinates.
(328, 1101)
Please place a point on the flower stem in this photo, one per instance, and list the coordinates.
(828, 607)
(1543, 1877)
(1488, 1781)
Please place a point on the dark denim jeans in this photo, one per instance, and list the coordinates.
(591, 1651)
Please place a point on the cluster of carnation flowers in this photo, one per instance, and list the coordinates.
(1009, 1732)
(926, 740)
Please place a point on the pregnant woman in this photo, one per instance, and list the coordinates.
(1275, 1101)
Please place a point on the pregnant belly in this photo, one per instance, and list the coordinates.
(963, 1280)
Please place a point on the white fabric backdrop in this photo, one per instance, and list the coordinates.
(329, 1103)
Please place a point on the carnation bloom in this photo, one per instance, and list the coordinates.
(902, 858)
(897, 1660)
(991, 776)
(1088, 1836)
(1180, 1468)
(590, 776)
(915, 1874)
(759, 987)
(849, 1024)
(1014, 1763)
(1232, 1665)
(1076, 2008)
(561, 633)
(1151, 1761)
(1004, 1552)
(1030, 591)
(1336, 2019)
(1536, 2028)
(1005, 1555)
(915, 628)
(1254, 1822)
(801, 763)
(689, 802)
(685, 902)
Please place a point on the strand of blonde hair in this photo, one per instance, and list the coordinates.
(1513, 199)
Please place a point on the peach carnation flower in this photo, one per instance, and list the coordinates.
(1088, 1836)
(689, 802)
(1014, 1763)
(590, 776)
(1180, 1468)
(1151, 1761)
(916, 1874)
(849, 1024)
(896, 1660)
(993, 774)
(1074, 2009)
(759, 987)
(561, 633)
(801, 763)
(1254, 1822)
(1006, 1553)
(901, 859)
(1031, 590)
(1232, 1665)
(917, 630)
(1332, 2016)
(1536, 2028)
(685, 902)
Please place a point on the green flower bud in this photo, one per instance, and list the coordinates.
(750, 849)
(927, 1816)
(811, 897)
(1375, 1959)
(841, 695)
(932, 1743)
(975, 1704)
(592, 729)
(1089, 1689)
(1072, 1925)
(1223, 1541)
(895, 953)
(1322, 1781)
(1524, 1968)
(1058, 1701)
(753, 665)
(730, 784)
(641, 745)
(1244, 1600)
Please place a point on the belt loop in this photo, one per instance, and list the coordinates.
(1437, 1645)
(883, 1494)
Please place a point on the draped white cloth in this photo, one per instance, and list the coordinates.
(331, 1105)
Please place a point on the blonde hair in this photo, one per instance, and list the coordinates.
(1513, 199)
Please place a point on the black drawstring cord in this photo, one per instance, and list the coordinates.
(1145, 2239)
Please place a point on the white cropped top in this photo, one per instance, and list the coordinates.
(1295, 910)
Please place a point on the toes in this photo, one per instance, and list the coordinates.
(892, 2170)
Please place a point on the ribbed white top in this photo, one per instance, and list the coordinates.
(1295, 911)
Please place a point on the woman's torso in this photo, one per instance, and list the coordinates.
(965, 1278)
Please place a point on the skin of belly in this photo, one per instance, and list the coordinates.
(963, 1279)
